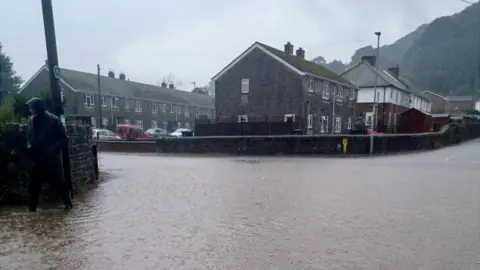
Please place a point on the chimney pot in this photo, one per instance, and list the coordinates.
(369, 59)
(171, 86)
(122, 76)
(289, 48)
(164, 84)
(301, 53)
(111, 74)
(395, 71)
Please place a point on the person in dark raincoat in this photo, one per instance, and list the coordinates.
(46, 136)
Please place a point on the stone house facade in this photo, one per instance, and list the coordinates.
(123, 101)
(264, 82)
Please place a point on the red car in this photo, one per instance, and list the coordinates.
(130, 132)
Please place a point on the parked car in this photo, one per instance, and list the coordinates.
(156, 132)
(104, 134)
(130, 132)
(182, 132)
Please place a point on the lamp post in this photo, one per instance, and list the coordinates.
(54, 72)
(375, 101)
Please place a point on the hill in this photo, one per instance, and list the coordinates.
(442, 56)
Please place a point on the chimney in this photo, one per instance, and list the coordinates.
(301, 53)
(111, 74)
(164, 84)
(395, 71)
(289, 48)
(122, 76)
(369, 59)
(171, 86)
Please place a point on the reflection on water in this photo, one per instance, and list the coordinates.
(254, 213)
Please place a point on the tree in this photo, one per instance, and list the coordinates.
(171, 79)
(336, 65)
(9, 81)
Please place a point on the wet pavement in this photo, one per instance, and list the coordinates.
(418, 211)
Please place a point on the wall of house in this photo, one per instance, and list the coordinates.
(438, 104)
(150, 113)
(274, 90)
(394, 96)
(459, 106)
(319, 104)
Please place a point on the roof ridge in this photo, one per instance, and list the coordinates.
(306, 65)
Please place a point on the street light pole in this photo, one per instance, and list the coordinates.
(54, 72)
(375, 100)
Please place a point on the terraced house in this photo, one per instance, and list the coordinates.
(271, 83)
(123, 101)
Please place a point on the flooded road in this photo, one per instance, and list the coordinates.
(419, 211)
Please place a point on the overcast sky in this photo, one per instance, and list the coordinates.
(195, 39)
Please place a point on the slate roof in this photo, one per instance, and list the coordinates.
(307, 66)
(459, 98)
(87, 82)
(367, 79)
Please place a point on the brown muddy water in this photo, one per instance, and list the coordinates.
(419, 211)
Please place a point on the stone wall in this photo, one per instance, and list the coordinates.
(14, 166)
(300, 145)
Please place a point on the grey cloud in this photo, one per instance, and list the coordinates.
(148, 39)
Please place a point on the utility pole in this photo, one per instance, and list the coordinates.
(54, 72)
(375, 101)
(99, 97)
(194, 84)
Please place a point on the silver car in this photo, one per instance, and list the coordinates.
(104, 134)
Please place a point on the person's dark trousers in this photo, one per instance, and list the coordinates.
(41, 173)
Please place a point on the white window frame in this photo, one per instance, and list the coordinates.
(352, 94)
(310, 121)
(89, 101)
(62, 95)
(326, 91)
(186, 112)
(338, 124)
(311, 85)
(242, 118)
(127, 104)
(245, 86)
(154, 108)
(139, 124)
(127, 121)
(154, 124)
(93, 122)
(138, 106)
(349, 124)
(165, 125)
(164, 107)
(198, 113)
(324, 125)
(104, 122)
(114, 102)
(104, 102)
(172, 108)
(339, 94)
(287, 115)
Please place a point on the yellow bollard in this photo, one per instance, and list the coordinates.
(345, 143)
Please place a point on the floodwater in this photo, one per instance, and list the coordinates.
(419, 211)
